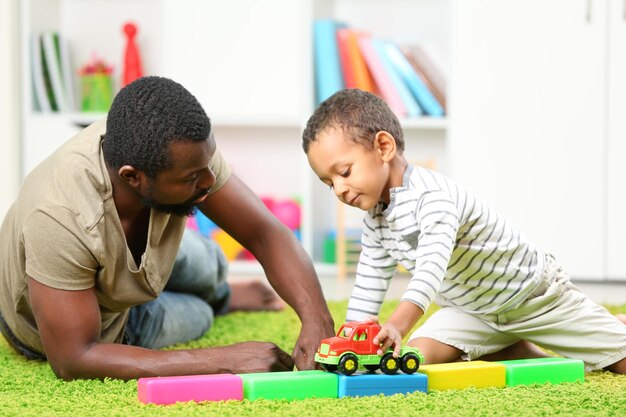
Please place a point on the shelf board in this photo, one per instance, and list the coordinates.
(253, 268)
(86, 118)
(431, 123)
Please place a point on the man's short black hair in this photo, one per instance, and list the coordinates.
(145, 117)
(359, 114)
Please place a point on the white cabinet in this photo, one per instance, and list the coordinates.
(538, 97)
(616, 140)
(249, 63)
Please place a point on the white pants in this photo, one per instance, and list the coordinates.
(557, 317)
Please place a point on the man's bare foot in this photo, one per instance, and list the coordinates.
(621, 317)
(253, 296)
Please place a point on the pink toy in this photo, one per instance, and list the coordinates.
(173, 389)
(288, 212)
(269, 202)
(192, 223)
(132, 61)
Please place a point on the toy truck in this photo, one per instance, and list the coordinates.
(353, 346)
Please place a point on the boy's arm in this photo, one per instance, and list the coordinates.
(237, 210)
(399, 325)
(438, 222)
(373, 275)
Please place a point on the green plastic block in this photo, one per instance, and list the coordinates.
(542, 370)
(289, 385)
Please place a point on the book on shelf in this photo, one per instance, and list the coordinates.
(51, 73)
(353, 66)
(40, 93)
(410, 103)
(407, 73)
(425, 66)
(408, 79)
(52, 57)
(328, 77)
(67, 73)
(47, 77)
(385, 85)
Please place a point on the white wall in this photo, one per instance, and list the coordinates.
(9, 104)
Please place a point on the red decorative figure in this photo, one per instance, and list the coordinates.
(132, 60)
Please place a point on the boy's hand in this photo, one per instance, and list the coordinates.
(388, 336)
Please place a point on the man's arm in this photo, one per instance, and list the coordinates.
(237, 210)
(69, 324)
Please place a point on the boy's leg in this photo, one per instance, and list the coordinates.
(520, 350)
(435, 351)
(618, 367)
(450, 335)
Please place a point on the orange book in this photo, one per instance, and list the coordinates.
(355, 70)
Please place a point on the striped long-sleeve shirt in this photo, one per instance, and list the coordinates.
(458, 250)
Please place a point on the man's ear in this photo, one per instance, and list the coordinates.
(133, 177)
(386, 145)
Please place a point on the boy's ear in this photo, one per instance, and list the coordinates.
(385, 144)
(132, 176)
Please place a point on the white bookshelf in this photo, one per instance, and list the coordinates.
(250, 64)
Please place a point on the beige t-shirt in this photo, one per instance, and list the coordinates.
(64, 231)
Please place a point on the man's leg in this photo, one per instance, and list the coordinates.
(201, 269)
(171, 318)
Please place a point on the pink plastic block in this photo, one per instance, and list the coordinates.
(173, 389)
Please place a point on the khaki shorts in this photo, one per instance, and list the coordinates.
(556, 316)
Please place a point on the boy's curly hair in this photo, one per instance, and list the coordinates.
(145, 117)
(359, 114)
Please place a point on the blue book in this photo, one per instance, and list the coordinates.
(328, 76)
(425, 98)
(412, 107)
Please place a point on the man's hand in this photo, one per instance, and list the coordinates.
(253, 357)
(389, 336)
(309, 340)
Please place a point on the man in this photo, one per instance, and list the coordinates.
(94, 236)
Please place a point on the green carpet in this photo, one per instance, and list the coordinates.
(31, 389)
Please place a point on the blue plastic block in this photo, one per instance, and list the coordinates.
(366, 384)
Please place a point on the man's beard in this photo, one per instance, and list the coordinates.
(186, 209)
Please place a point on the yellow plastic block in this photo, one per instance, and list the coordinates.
(459, 375)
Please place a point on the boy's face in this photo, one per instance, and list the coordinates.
(358, 175)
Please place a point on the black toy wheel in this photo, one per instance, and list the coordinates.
(409, 363)
(348, 364)
(328, 367)
(389, 364)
